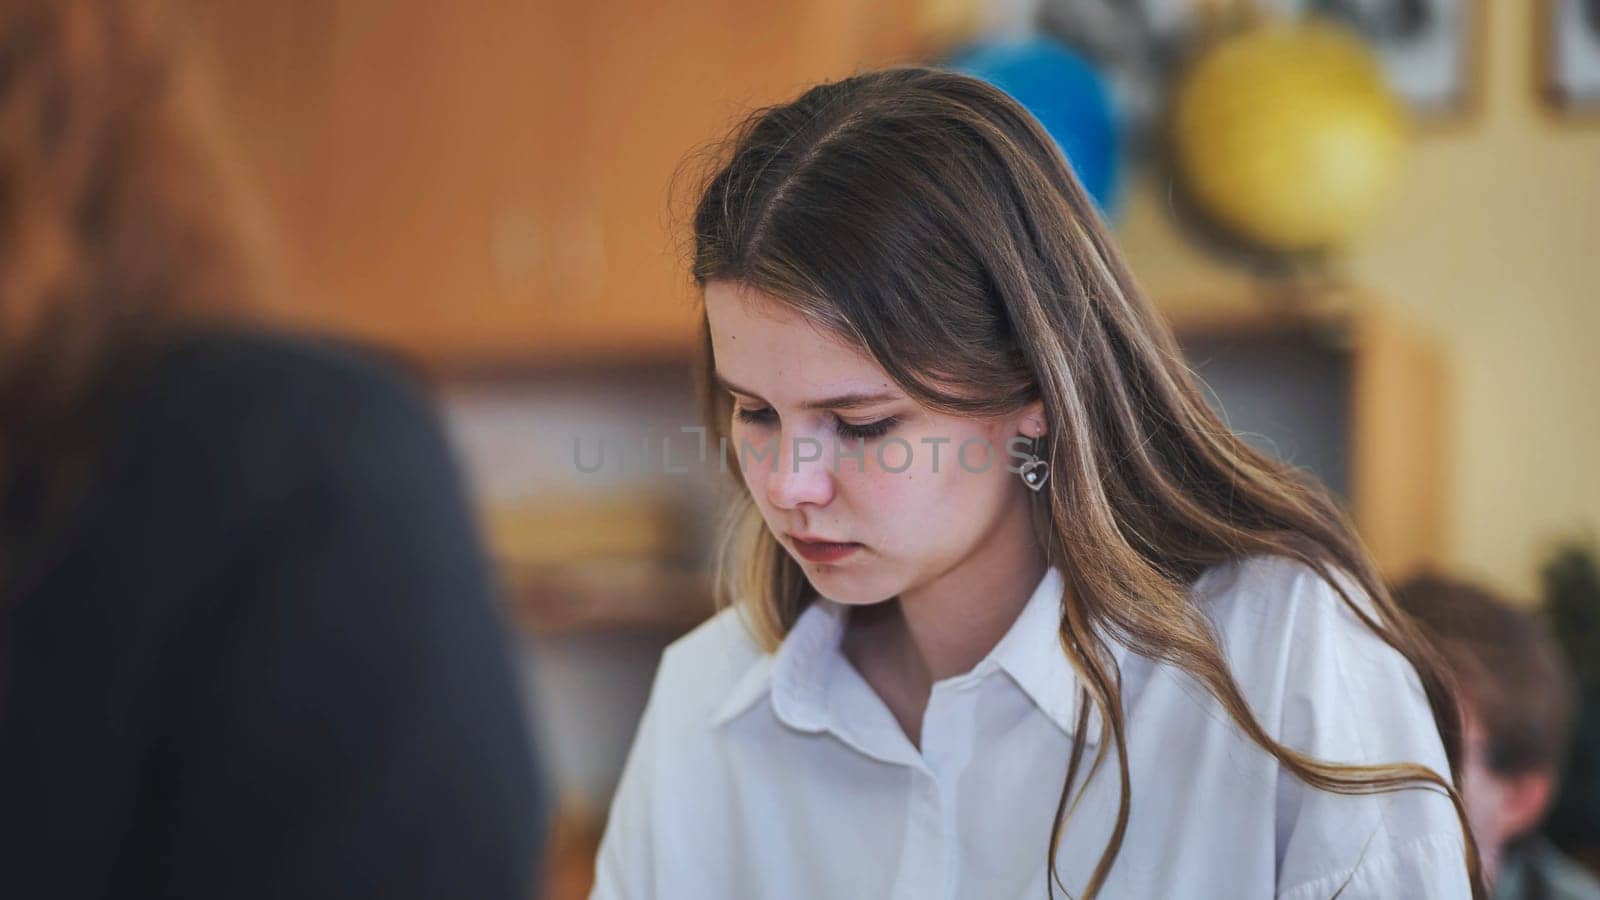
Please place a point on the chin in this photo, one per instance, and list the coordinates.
(842, 585)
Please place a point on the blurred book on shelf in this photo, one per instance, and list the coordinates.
(591, 562)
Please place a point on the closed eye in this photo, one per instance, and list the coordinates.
(753, 416)
(865, 431)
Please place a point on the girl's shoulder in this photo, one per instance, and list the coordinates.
(1269, 597)
(698, 670)
(1322, 681)
(1318, 676)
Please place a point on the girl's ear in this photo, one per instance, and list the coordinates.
(1033, 421)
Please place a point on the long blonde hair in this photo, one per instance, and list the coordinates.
(926, 217)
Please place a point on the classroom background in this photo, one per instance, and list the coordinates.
(1373, 225)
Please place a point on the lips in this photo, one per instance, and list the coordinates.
(823, 551)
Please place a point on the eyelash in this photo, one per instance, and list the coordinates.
(868, 432)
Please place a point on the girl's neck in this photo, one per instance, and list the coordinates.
(947, 626)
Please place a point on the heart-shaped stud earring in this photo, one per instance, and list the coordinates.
(1035, 472)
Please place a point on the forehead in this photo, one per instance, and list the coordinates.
(760, 343)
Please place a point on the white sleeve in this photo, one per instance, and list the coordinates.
(1346, 696)
(1425, 868)
(626, 861)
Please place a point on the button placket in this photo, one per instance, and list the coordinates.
(923, 869)
(947, 743)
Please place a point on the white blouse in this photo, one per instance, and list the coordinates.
(784, 775)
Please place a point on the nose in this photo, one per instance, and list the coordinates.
(802, 474)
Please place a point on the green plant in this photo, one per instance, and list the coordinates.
(1571, 587)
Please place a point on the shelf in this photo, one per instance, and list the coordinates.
(606, 595)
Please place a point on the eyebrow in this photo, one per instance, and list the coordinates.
(842, 401)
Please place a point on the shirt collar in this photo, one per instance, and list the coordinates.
(797, 676)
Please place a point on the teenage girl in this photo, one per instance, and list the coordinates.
(1009, 611)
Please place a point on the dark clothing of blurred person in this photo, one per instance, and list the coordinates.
(1535, 869)
(247, 639)
(256, 658)
(1518, 703)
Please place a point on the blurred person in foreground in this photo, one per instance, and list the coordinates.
(1517, 694)
(247, 647)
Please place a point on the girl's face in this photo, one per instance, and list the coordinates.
(832, 450)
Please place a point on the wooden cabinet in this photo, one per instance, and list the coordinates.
(493, 182)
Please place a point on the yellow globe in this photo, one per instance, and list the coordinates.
(1288, 135)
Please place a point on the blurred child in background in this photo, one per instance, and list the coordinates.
(1518, 707)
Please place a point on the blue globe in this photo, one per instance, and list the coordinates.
(1066, 95)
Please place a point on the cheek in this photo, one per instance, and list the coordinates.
(759, 467)
(921, 507)
(755, 477)
(1481, 791)
(1481, 794)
